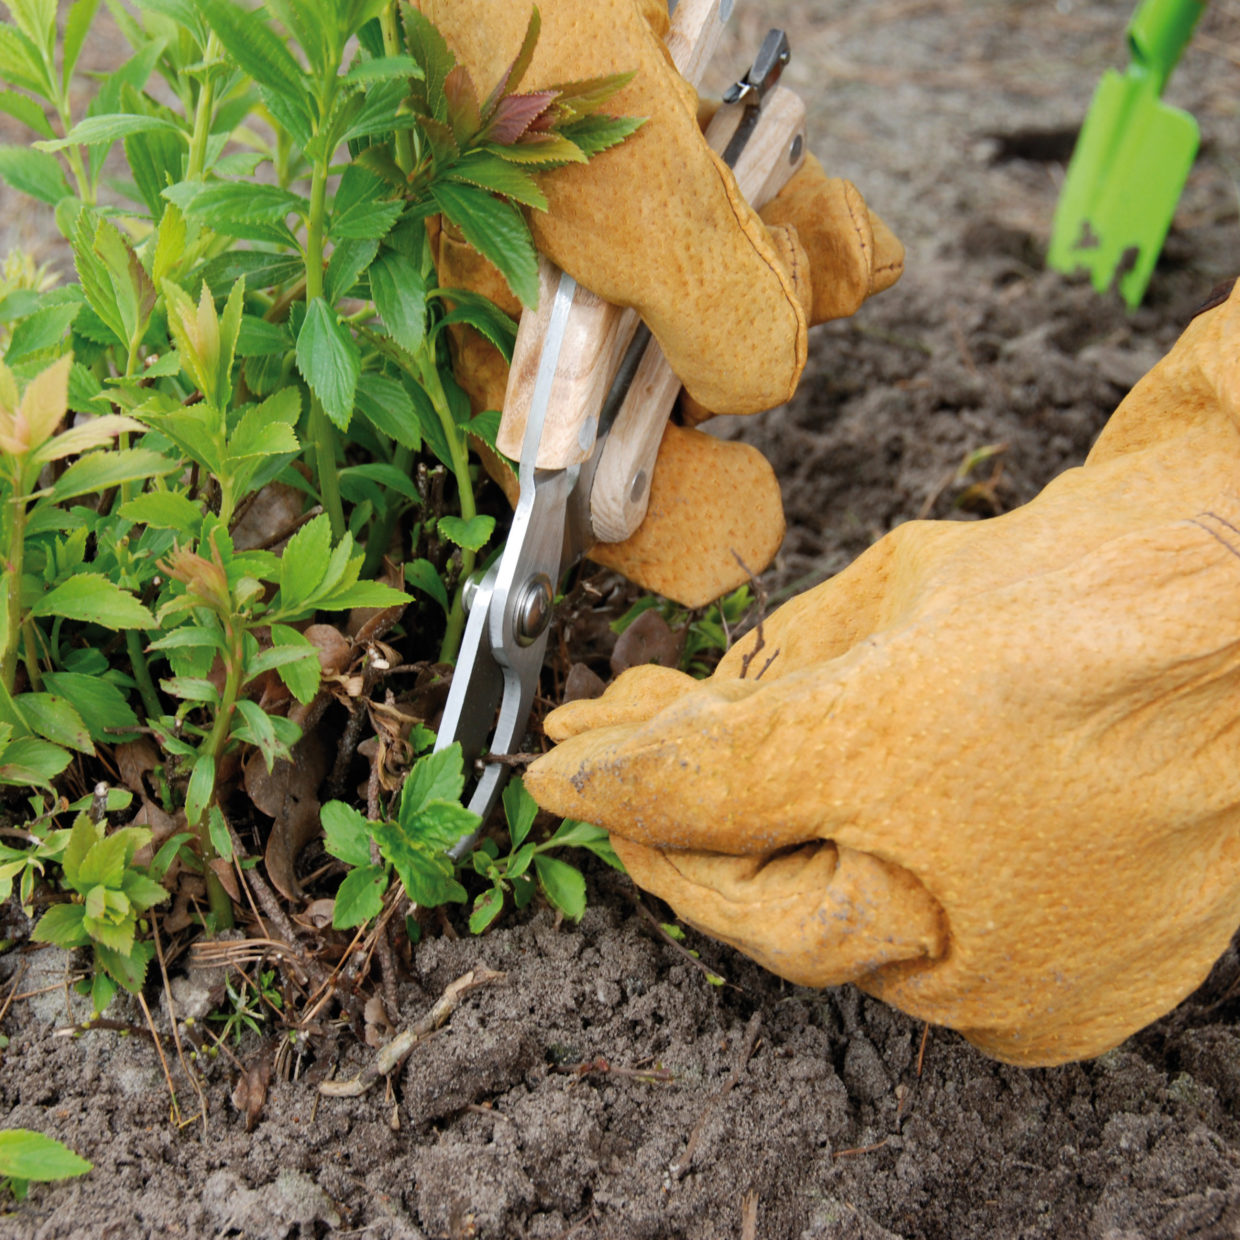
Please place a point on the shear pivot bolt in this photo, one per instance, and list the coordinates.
(534, 609)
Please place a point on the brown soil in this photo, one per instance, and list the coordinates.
(604, 1087)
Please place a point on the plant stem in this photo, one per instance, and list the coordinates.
(459, 451)
(322, 432)
(142, 674)
(203, 113)
(389, 23)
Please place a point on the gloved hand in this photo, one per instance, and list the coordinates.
(657, 224)
(990, 773)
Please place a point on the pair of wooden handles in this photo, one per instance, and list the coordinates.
(598, 334)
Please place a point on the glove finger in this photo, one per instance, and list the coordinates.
(715, 519)
(656, 223)
(634, 696)
(852, 254)
(816, 915)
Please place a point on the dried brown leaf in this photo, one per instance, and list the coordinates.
(249, 1095)
(649, 639)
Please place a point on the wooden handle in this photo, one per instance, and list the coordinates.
(775, 150)
(598, 333)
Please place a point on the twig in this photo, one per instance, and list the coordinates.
(681, 1165)
(395, 1052)
(921, 1054)
(192, 1077)
(749, 1216)
(680, 948)
(17, 980)
(599, 1066)
(860, 1149)
(760, 599)
(163, 1062)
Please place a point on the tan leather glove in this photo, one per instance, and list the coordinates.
(991, 772)
(657, 223)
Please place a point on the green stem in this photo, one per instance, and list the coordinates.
(142, 674)
(459, 464)
(380, 536)
(16, 534)
(322, 432)
(389, 24)
(203, 113)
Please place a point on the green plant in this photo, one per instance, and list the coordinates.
(26, 1156)
(527, 866)
(109, 894)
(249, 1005)
(414, 845)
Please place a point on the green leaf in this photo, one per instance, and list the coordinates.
(365, 72)
(430, 51)
(361, 594)
(93, 598)
(346, 833)
(388, 407)
(56, 720)
(128, 968)
(77, 27)
(262, 432)
(62, 925)
(262, 731)
(143, 892)
(30, 761)
(26, 1155)
(191, 689)
(329, 360)
(422, 575)
(164, 510)
(520, 810)
(439, 776)
(488, 171)
(563, 886)
(496, 230)
(103, 130)
(363, 208)
(24, 109)
(35, 173)
(304, 562)
(594, 134)
(571, 833)
(258, 338)
(487, 907)
(102, 470)
(424, 869)
(44, 329)
(387, 476)
(399, 293)
(472, 534)
(201, 786)
(259, 51)
(360, 896)
(302, 676)
(20, 63)
(217, 829)
(348, 261)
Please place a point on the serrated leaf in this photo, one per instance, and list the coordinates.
(361, 594)
(473, 534)
(101, 470)
(384, 69)
(422, 575)
(301, 676)
(399, 293)
(35, 173)
(164, 510)
(424, 869)
(191, 689)
(224, 204)
(103, 130)
(563, 886)
(20, 63)
(346, 833)
(304, 563)
(257, 434)
(359, 897)
(101, 705)
(259, 51)
(439, 776)
(24, 109)
(496, 230)
(597, 133)
(201, 786)
(44, 329)
(488, 171)
(55, 719)
(77, 27)
(143, 892)
(345, 267)
(329, 361)
(217, 830)
(128, 968)
(259, 338)
(363, 208)
(62, 925)
(429, 50)
(26, 1155)
(31, 761)
(483, 315)
(97, 433)
(262, 731)
(93, 598)
(520, 810)
(388, 407)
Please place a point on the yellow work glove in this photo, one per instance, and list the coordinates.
(657, 223)
(990, 771)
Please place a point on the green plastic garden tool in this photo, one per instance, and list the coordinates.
(1131, 160)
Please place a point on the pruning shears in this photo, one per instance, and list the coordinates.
(588, 396)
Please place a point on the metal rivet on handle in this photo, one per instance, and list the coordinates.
(638, 487)
(794, 151)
